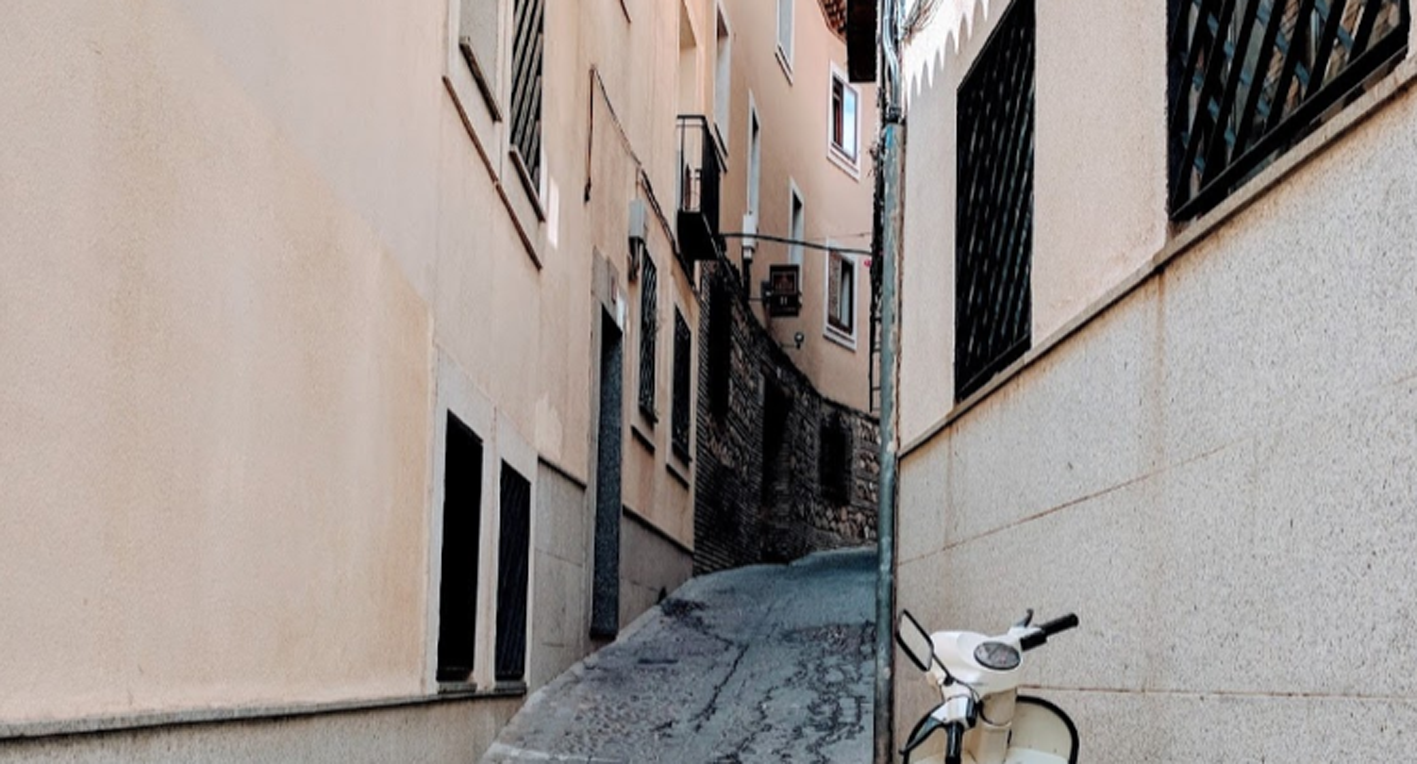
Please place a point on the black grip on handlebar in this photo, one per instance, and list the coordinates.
(1044, 630)
(1061, 624)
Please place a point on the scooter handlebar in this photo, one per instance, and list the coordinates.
(1043, 631)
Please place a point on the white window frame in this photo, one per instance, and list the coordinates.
(784, 52)
(829, 330)
(501, 442)
(796, 227)
(486, 124)
(848, 162)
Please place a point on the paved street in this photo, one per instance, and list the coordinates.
(760, 664)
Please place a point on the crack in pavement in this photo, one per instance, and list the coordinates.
(756, 665)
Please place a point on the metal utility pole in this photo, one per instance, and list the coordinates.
(892, 158)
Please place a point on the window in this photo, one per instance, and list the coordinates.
(994, 204)
(513, 571)
(784, 33)
(841, 296)
(1248, 80)
(462, 521)
(720, 355)
(755, 155)
(526, 87)
(479, 38)
(844, 125)
(723, 77)
(649, 331)
(683, 382)
(796, 225)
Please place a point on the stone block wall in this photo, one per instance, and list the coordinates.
(769, 489)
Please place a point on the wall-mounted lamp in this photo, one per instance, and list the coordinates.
(637, 237)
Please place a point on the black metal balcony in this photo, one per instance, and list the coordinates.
(700, 168)
(1250, 78)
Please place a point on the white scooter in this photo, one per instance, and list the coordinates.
(984, 719)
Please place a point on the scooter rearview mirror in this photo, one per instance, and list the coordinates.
(915, 641)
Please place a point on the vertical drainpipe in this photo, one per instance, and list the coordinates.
(892, 158)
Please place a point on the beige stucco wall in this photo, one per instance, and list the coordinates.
(1099, 172)
(1215, 473)
(793, 111)
(191, 439)
(248, 270)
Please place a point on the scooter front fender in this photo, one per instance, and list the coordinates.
(1041, 733)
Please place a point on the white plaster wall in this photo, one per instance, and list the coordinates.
(1217, 474)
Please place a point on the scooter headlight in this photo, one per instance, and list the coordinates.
(998, 656)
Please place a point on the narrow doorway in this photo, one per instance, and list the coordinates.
(605, 598)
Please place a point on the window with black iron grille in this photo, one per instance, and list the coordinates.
(649, 334)
(462, 515)
(720, 349)
(1250, 78)
(834, 460)
(526, 84)
(683, 406)
(513, 569)
(994, 208)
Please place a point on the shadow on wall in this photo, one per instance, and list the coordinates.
(781, 471)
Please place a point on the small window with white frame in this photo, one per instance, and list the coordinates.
(784, 34)
(841, 297)
(844, 119)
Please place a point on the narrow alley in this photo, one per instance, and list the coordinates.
(759, 664)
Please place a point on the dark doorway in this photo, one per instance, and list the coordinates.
(605, 600)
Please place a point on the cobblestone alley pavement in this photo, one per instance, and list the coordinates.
(760, 664)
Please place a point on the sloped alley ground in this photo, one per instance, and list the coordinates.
(759, 664)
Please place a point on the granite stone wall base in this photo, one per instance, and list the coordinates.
(782, 471)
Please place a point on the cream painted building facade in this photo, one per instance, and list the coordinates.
(1204, 443)
(798, 136)
(333, 360)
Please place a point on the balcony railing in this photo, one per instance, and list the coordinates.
(1250, 78)
(700, 169)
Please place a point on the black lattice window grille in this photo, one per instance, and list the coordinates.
(649, 334)
(834, 460)
(994, 207)
(1250, 78)
(527, 55)
(683, 382)
(720, 349)
(462, 521)
(513, 571)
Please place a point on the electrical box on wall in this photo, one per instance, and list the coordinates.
(638, 226)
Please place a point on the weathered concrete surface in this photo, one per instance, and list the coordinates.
(759, 664)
